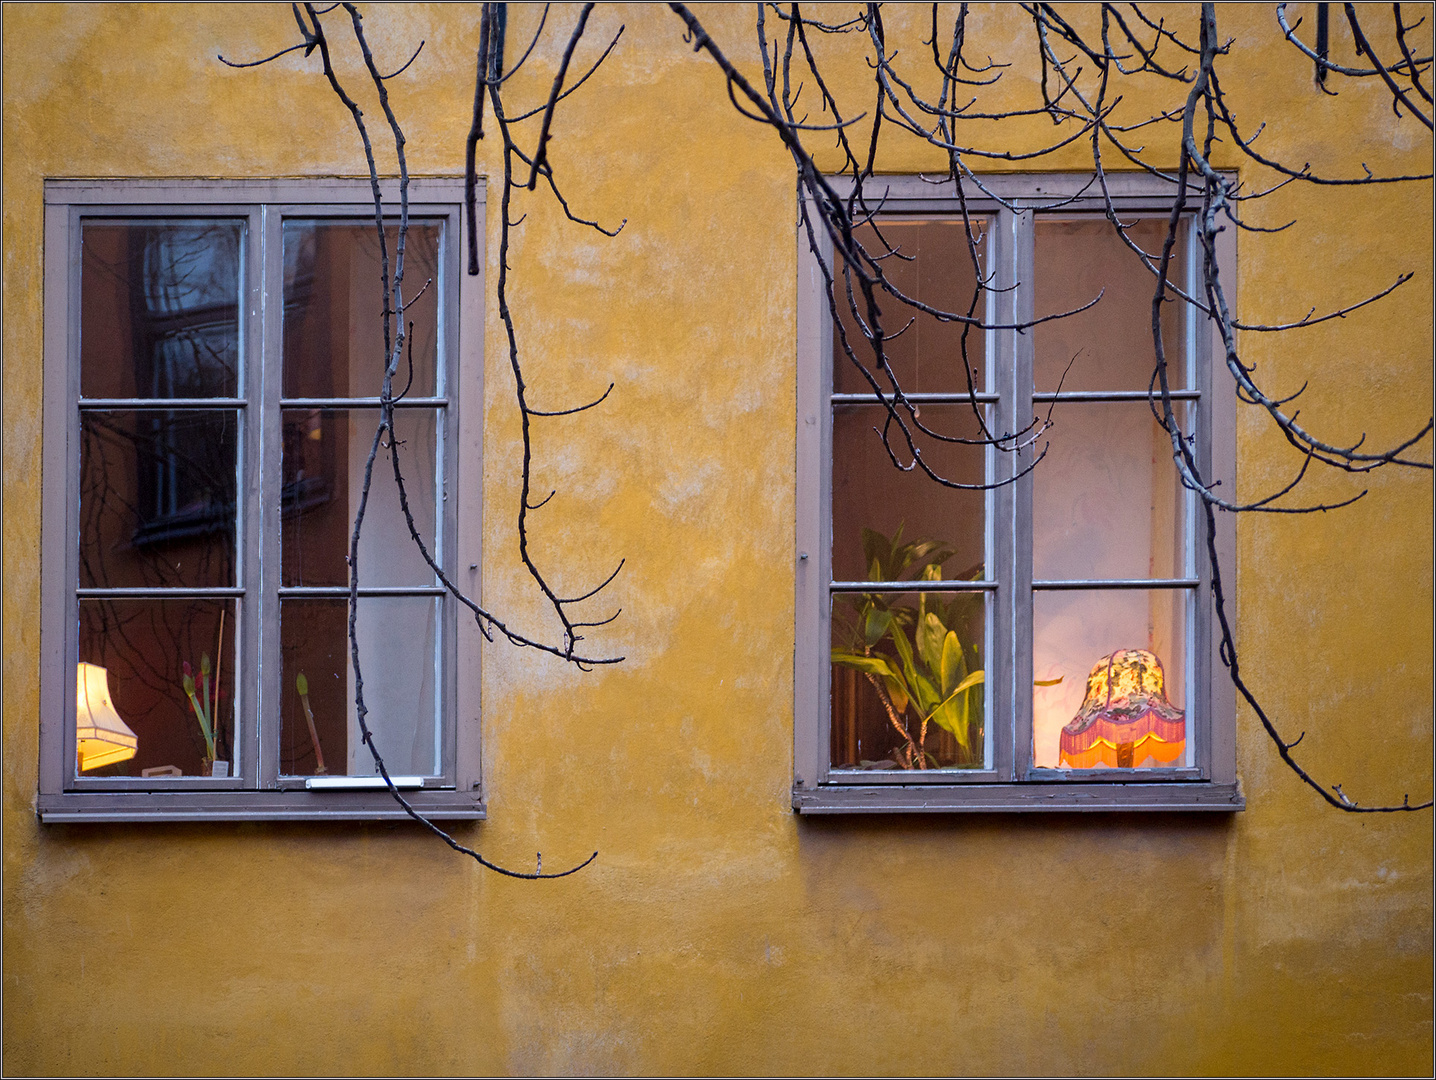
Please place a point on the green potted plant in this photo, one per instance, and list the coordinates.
(915, 659)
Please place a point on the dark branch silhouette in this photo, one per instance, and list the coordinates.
(490, 78)
(1077, 88)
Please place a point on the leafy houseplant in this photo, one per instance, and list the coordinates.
(915, 660)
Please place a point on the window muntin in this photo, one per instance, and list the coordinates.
(1093, 558)
(166, 318)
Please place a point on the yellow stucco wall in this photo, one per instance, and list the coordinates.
(717, 931)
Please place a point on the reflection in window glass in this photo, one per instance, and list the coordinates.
(933, 264)
(1106, 498)
(1109, 346)
(160, 317)
(157, 497)
(170, 667)
(869, 493)
(908, 681)
(334, 304)
(398, 656)
(1111, 673)
(325, 452)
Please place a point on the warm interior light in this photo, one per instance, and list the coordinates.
(101, 737)
(1125, 718)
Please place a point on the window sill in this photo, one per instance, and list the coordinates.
(257, 806)
(1008, 798)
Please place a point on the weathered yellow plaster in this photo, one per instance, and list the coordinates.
(717, 932)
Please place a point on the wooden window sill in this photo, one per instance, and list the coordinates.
(1028, 798)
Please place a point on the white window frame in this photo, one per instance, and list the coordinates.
(258, 792)
(1010, 783)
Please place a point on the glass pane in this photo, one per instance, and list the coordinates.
(334, 303)
(871, 495)
(157, 677)
(398, 656)
(325, 452)
(1109, 346)
(908, 681)
(934, 266)
(157, 498)
(160, 309)
(1132, 643)
(1106, 500)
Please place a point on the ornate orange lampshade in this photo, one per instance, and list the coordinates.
(101, 737)
(1126, 717)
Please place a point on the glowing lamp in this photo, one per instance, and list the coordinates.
(101, 736)
(1126, 717)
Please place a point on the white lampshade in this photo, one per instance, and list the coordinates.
(101, 737)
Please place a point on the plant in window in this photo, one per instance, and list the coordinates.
(932, 673)
(1085, 59)
(204, 703)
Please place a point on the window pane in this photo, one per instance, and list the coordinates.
(900, 659)
(1076, 261)
(155, 655)
(1106, 500)
(333, 309)
(1131, 641)
(157, 497)
(398, 656)
(934, 266)
(325, 452)
(160, 309)
(870, 493)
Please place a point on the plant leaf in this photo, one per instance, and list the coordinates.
(927, 696)
(883, 668)
(904, 651)
(875, 544)
(955, 713)
(897, 693)
(877, 665)
(875, 624)
(952, 667)
(930, 635)
(1048, 682)
(945, 716)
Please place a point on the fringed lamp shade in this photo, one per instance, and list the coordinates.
(101, 737)
(1126, 717)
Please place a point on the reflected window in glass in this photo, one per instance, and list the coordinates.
(227, 358)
